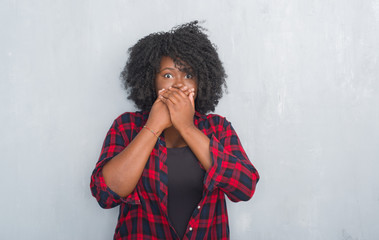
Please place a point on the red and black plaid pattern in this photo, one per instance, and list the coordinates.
(143, 214)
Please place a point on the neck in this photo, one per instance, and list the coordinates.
(173, 138)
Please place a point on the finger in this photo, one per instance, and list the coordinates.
(162, 99)
(169, 104)
(194, 93)
(169, 96)
(188, 91)
(177, 92)
(161, 91)
(184, 88)
(192, 100)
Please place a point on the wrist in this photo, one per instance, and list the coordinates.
(155, 127)
(157, 134)
(186, 129)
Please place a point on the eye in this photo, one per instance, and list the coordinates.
(168, 75)
(189, 76)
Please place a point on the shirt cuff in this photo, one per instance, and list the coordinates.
(132, 198)
(212, 176)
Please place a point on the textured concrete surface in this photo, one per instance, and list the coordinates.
(303, 96)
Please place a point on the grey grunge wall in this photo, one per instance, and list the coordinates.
(303, 96)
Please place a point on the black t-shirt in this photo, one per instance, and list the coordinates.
(185, 186)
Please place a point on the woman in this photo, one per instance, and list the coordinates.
(169, 165)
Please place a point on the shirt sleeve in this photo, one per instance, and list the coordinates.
(113, 144)
(231, 170)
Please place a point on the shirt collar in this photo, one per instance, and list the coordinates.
(199, 115)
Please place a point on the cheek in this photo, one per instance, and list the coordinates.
(192, 84)
(195, 86)
(159, 84)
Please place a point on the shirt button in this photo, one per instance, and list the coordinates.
(198, 207)
(190, 228)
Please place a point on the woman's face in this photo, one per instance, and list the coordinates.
(169, 75)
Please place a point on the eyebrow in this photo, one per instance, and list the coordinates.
(167, 68)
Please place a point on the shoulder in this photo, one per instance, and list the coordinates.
(213, 119)
(135, 118)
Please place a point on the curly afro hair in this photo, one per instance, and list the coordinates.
(190, 48)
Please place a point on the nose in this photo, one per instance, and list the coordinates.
(179, 80)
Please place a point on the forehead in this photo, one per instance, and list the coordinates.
(168, 62)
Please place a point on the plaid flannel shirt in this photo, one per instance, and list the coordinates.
(143, 213)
